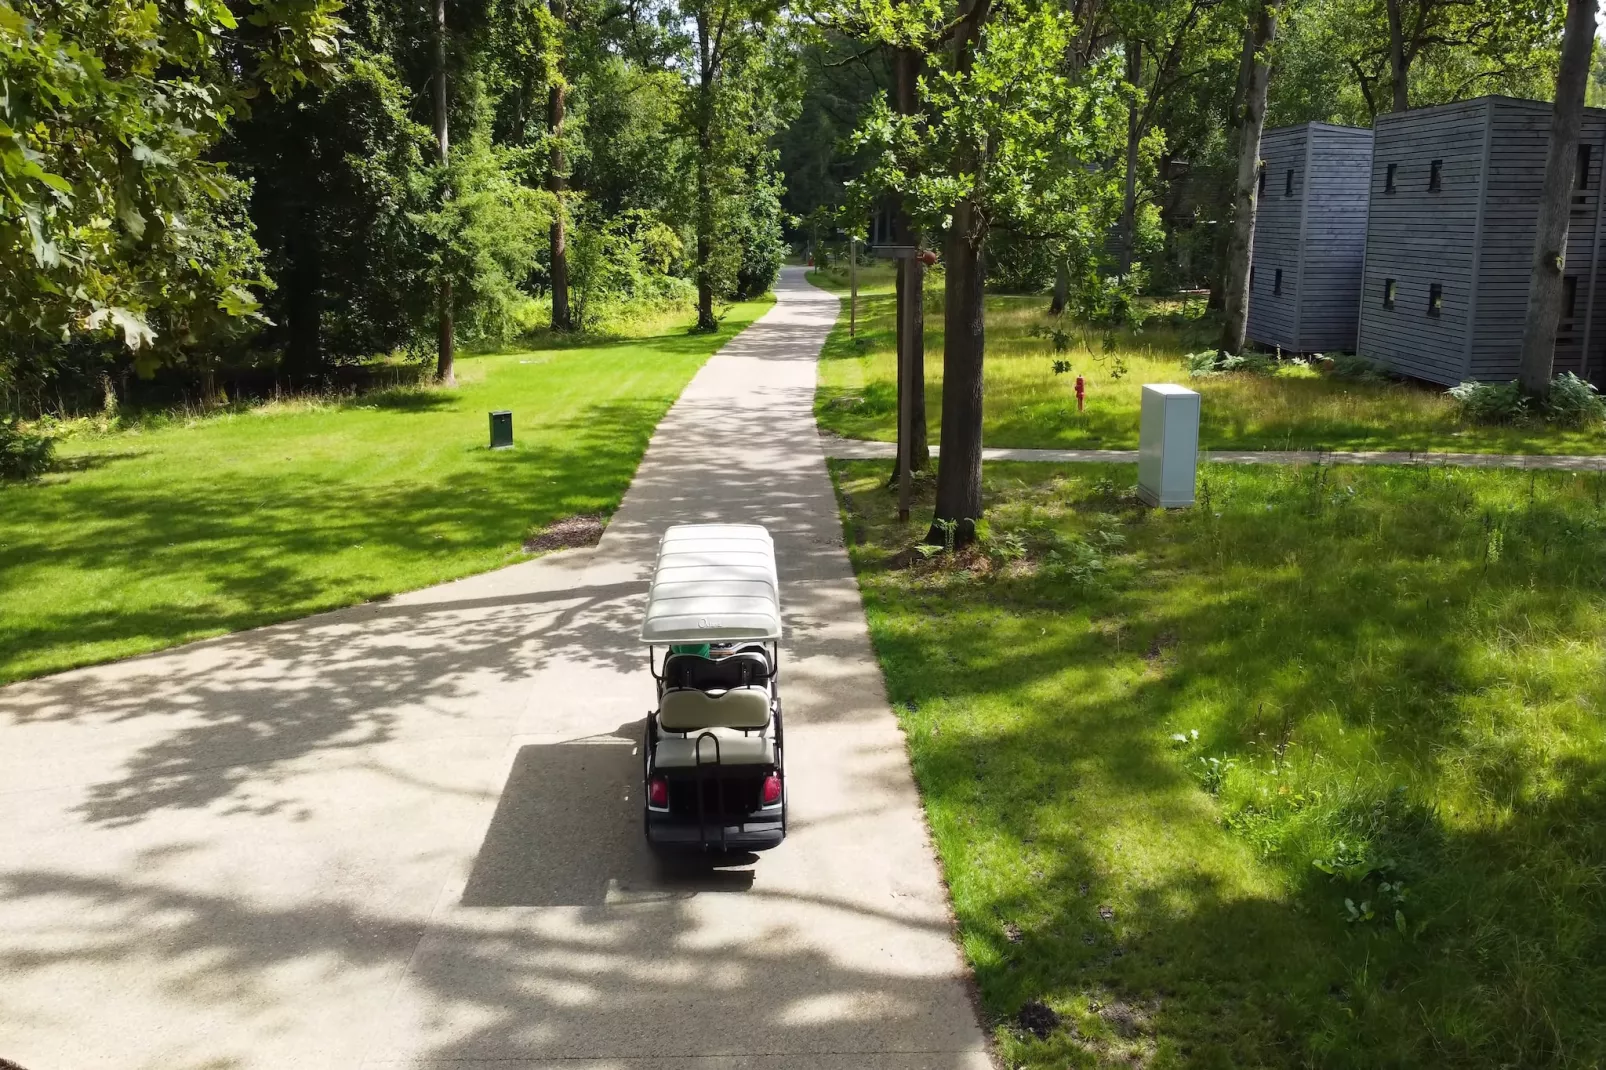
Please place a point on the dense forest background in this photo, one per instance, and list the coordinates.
(226, 196)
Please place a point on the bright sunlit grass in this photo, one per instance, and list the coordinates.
(177, 528)
(1313, 774)
(1028, 405)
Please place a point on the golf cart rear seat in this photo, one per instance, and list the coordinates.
(735, 748)
(738, 720)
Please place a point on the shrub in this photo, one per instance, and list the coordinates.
(1573, 402)
(1490, 403)
(24, 454)
(1213, 362)
(1357, 369)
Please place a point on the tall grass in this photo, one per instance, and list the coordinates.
(1028, 405)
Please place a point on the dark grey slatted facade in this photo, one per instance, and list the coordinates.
(1314, 231)
(1474, 237)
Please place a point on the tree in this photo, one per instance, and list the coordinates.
(447, 337)
(740, 92)
(557, 175)
(1550, 241)
(1006, 139)
(112, 215)
(1255, 79)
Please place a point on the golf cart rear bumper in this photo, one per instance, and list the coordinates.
(674, 832)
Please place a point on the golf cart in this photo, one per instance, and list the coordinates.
(713, 769)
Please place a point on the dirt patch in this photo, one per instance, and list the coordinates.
(1038, 1018)
(571, 531)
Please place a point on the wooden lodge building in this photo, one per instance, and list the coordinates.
(1310, 237)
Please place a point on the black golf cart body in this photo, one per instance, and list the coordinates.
(714, 771)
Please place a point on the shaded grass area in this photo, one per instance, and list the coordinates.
(1313, 774)
(173, 530)
(1028, 405)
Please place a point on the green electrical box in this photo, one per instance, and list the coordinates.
(502, 429)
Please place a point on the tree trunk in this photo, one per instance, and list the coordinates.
(557, 182)
(1399, 72)
(705, 207)
(1235, 127)
(303, 296)
(1062, 289)
(1555, 201)
(907, 65)
(1242, 243)
(964, 346)
(964, 341)
(1129, 206)
(447, 341)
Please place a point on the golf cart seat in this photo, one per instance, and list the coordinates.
(740, 669)
(734, 747)
(689, 709)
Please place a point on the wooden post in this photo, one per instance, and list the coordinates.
(853, 287)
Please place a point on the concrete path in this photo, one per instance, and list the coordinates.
(861, 449)
(408, 834)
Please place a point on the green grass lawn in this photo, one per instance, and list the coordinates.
(160, 535)
(1028, 405)
(1313, 774)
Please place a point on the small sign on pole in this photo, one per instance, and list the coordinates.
(502, 429)
(853, 287)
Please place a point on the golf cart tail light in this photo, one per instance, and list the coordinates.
(772, 789)
(658, 792)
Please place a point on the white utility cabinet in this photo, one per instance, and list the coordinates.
(1168, 444)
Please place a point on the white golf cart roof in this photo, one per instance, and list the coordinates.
(714, 583)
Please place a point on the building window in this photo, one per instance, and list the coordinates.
(1260, 190)
(1388, 293)
(1435, 176)
(1388, 179)
(1277, 283)
(1569, 296)
(1288, 183)
(1581, 176)
(1436, 299)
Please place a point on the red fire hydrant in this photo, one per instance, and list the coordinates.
(1081, 392)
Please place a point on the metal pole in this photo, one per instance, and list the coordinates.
(853, 287)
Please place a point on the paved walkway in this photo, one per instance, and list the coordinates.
(860, 449)
(408, 834)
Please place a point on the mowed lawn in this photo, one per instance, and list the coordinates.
(1312, 774)
(1028, 405)
(150, 537)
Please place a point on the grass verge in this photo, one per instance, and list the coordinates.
(174, 530)
(1313, 774)
(1028, 405)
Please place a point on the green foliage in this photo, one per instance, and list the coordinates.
(110, 209)
(1356, 369)
(1574, 402)
(24, 453)
(1490, 403)
(1334, 59)
(1041, 123)
(625, 260)
(485, 236)
(1210, 362)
